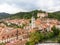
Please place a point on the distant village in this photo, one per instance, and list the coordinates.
(16, 31)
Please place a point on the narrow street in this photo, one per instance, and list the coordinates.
(48, 44)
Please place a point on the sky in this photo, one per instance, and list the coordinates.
(14, 6)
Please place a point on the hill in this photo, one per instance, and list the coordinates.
(4, 15)
(28, 15)
(55, 15)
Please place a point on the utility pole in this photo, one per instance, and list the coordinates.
(17, 34)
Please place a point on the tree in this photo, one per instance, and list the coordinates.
(55, 30)
(49, 35)
(2, 43)
(35, 37)
(59, 37)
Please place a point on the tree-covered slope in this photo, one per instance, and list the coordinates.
(26, 15)
(55, 15)
(4, 15)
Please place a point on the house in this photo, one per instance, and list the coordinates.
(8, 34)
(41, 15)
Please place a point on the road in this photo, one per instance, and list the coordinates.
(48, 44)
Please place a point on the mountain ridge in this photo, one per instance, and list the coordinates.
(28, 15)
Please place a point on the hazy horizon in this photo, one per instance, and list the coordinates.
(14, 6)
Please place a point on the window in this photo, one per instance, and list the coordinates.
(12, 35)
(19, 33)
(3, 37)
(20, 39)
(16, 34)
(22, 32)
(25, 36)
(8, 36)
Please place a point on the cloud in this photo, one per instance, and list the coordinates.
(14, 6)
(54, 9)
(45, 4)
(10, 9)
(49, 6)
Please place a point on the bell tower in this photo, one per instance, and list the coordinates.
(33, 22)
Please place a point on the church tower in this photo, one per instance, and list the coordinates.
(33, 22)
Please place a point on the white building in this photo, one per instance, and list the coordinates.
(41, 15)
(33, 22)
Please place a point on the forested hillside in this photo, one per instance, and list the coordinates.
(4, 15)
(28, 15)
(55, 15)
